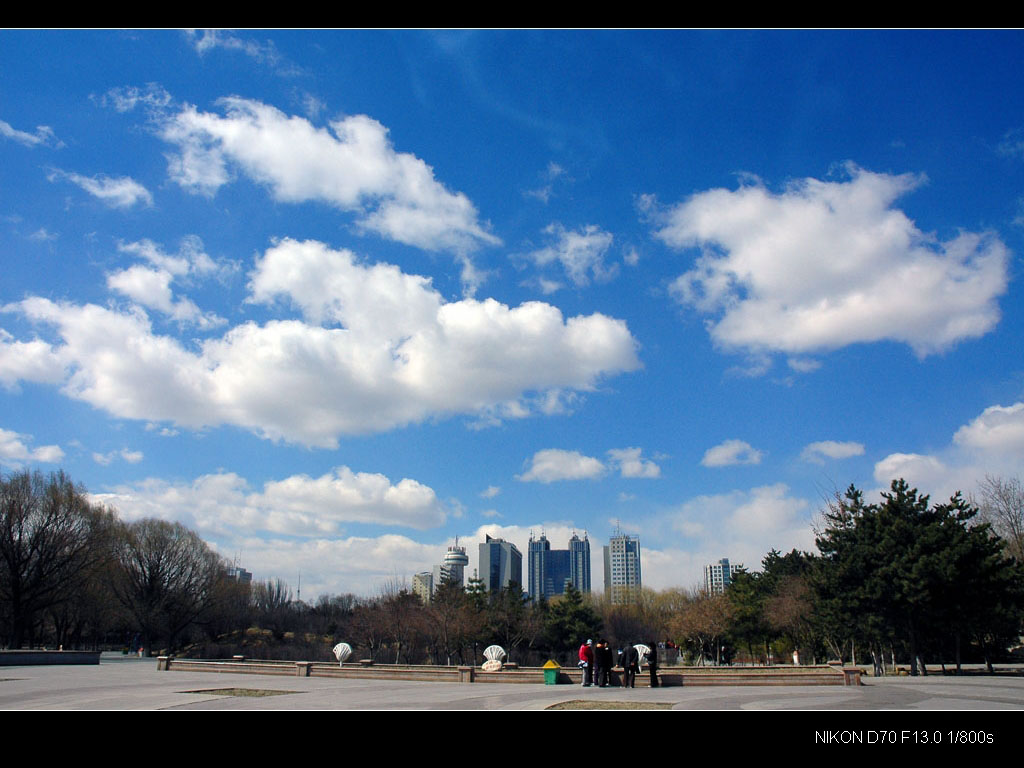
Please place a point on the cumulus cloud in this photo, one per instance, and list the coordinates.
(352, 166)
(377, 349)
(740, 525)
(298, 505)
(825, 264)
(119, 192)
(28, 361)
(998, 428)
(630, 463)
(362, 565)
(292, 525)
(928, 471)
(13, 448)
(580, 253)
(43, 135)
(490, 492)
(553, 464)
(816, 453)
(150, 286)
(990, 444)
(730, 453)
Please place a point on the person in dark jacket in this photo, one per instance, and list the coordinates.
(652, 661)
(604, 661)
(630, 662)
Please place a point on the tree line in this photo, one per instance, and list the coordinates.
(900, 581)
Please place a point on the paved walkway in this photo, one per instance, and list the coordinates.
(131, 684)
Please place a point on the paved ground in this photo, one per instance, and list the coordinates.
(131, 684)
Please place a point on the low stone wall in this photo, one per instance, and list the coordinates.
(39, 658)
(668, 676)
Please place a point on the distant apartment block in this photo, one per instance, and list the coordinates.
(622, 580)
(423, 586)
(718, 576)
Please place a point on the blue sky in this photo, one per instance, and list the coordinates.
(335, 298)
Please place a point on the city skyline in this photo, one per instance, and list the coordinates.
(333, 299)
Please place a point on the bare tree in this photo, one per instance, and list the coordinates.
(51, 539)
(167, 579)
(273, 606)
(1001, 504)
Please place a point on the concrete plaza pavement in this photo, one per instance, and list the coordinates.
(135, 684)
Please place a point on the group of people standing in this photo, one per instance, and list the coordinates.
(597, 660)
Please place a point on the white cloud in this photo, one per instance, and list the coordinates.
(120, 192)
(357, 564)
(998, 428)
(132, 457)
(816, 453)
(928, 471)
(827, 264)
(581, 254)
(392, 352)
(28, 360)
(990, 444)
(263, 53)
(13, 448)
(43, 135)
(543, 193)
(490, 492)
(150, 287)
(741, 525)
(298, 505)
(631, 465)
(730, 453)
(125, 99)
(553, 464)
(352, 166)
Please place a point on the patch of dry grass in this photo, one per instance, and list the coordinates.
(585, 704)
(256, 692)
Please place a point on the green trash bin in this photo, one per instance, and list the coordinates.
(551, 670)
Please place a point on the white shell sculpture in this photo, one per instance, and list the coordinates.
(341, 652)
(643, 651)
(495, 653)
(491, 665)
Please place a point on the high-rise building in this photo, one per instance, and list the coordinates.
(501, 564)
(453, 568)
(537, 552)
(423, 586)
(622, 568)
(718, 576)
(552, 569)
(579, 562)
(239, 574)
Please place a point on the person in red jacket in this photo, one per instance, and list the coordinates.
(587, 662)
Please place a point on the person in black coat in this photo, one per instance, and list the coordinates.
(630, 662)
(652, 661)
